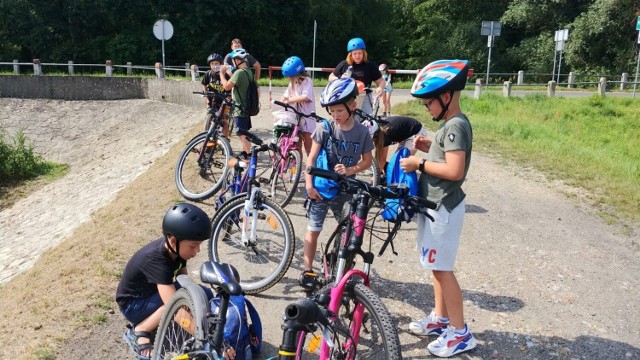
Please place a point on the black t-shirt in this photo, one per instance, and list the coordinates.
(212, 81)
(367, 72)
(149, 266)
(400, 128)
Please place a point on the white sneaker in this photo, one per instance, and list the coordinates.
(428, 326)
(450, 343)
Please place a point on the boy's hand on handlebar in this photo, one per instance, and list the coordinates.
(342, 170)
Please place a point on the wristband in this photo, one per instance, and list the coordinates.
(421, 167)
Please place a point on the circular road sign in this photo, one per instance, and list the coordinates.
(162, 29)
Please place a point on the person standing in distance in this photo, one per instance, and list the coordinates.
(238, 85)
(251, 61)
(439, 86)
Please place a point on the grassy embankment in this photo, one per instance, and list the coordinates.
(590, 143)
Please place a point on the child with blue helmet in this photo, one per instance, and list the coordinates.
(300, 94)
(439, 85)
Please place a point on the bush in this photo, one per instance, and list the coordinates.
(18, 161)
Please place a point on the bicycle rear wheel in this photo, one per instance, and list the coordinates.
(372, 175)
(285, 178)
(199, 180)
(377, 336)
(183, 326)
(267, 259)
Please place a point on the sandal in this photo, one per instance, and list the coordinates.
(132, 338)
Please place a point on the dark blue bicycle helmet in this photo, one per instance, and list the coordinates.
(292, 66)
(214, 57)
(355, 44)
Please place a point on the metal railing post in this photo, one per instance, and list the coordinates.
(571, 81)
(129, 68)
(70, 67)
(16, 67)
(623, 81)
(187, 69)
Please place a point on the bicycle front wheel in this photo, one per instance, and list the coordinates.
(199, 177)
(264, 259)
(372, 175)
(183, 326)
(375, 334)
(285, 178)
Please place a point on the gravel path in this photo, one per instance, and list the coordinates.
(542, 276)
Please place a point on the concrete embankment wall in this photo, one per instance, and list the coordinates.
(100, 88)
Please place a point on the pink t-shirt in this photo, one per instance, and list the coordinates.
(304, 88)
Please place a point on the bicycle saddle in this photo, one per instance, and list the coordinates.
(223, 275)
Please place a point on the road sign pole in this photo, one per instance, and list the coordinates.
(555, 55)
(490, 40)
(559, 66)
(635, 82)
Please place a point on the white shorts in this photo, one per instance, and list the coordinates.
(438, 240)
(408, 142)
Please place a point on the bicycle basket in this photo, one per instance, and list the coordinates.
(284, 118)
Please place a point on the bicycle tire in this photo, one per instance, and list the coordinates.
(284, 183)
(378, 337)
(372, 175)
(172, 339)
(274, 232)
(207, 120)
(203, 181)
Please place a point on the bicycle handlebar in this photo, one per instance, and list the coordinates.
(306, 311)
(288, 107)
(377, 192)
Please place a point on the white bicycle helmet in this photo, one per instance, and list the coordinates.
(239, 54)
(339, 91)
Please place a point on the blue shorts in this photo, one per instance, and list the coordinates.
(242, 122)
(317, 210)
(137, 310)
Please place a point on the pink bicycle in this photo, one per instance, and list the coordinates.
(361, 326)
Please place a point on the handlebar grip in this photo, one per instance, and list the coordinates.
(424, 203)
(305, 311)
(280, 103)
(328, 174)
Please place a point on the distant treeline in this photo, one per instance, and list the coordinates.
(405, 34)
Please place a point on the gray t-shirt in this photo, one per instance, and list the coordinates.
(453, 134)
(350, 145)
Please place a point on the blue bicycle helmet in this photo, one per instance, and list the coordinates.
(440, 77)
(339, 91)
(292, 66)
(355, 44)
(239, 54)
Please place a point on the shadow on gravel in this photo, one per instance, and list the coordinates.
(505, 345)
(469, 209)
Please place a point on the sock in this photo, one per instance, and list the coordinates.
(443, 319)
(462, 331)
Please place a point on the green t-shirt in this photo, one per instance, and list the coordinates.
(241, 78)
(453, 134)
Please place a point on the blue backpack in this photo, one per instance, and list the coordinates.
(327, 188)
(395, 175)
(245, 338)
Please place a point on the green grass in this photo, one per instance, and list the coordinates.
(591, 143)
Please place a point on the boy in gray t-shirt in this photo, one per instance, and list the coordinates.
(353, 145)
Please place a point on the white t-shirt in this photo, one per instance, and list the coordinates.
(304, 88)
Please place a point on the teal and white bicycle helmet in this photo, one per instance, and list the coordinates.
(355, 44)
(339, 91)
(239, 54)
(292, 66)
(440, 77)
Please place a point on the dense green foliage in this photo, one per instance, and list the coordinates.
(403, 33)
(591, 143)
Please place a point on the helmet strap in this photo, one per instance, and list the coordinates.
(444, 107)
(175, 251)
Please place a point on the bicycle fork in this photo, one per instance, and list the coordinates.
(250, 212)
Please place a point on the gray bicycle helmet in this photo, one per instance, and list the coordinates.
(186, 222)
